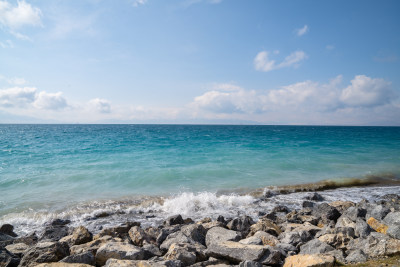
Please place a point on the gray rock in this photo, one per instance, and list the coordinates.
(219, 234)
(295, 237)
(8, 229)
(241, 224)
(173, 220)
(210, 261)
(362, 229)
(5, 240)
(315, 196)
(355, 212)
(177, 237)
(250, 264)
(151, 250)
(141, 263)
(8, 259)
(286, 248)
(308, 204)
(394, 231)
(188, 254)
(117, 231)
(60, 222)
(44, 252)
(377, 211)
(30, 240)
(281, 208)
(18, 249)
(315, 247)
(345, 221)
(196, 232)
(356, 255)
(376, 245)
(118, 250)
(85, 258)
(392, 218)
(54, 233)
(326, 212)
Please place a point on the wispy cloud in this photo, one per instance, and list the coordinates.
(188, 3)
(137, 3)
(7, 44)
(262, 62)
(302, 31)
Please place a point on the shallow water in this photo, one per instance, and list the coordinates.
(75, 171)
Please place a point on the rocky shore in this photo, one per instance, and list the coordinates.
(319, 234)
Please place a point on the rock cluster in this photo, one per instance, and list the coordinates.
(319, 234)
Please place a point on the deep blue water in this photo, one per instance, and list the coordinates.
(55, 166)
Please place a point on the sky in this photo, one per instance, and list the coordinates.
(200, 61)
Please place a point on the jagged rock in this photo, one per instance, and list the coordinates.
(138, 236)
(315, 246)
(295, 237)
(60, 222)
(377, 211)
(196, 232)
(92, 246)
(177, 219)
(81, 235)
(335, 240)
(118, 250)
(265, 225)
(54, 233)
(377, 226)
(210, 262)
(17, 249)
(29, 240)
(286, 249)
(362, 229)
(8, 259)
(117, 231)
(355, 212)
(86, 258)
(8, 229)
(151, 250)
(394, 231)
(315, 197)
(326, 212)
(141, 263)
(250, 264)
(345, 221)
(237, 252)
(309, 261)
(392, 218)
(63, 264)
(207, 226)
(376, 245)
(260, 238)
(312, 229)
(44, 252)
(177, 237)
(281, 208)
(342, 205)
(241, 224)
(219, 234)
(356, 255)
(188, 254)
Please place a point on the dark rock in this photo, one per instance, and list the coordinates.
(241, 224)
(86, 258)
(250, 264)
(377, 211)
(196, 232)
(44, 252)
(8, 259)
(221, 219)
(8, 229)
(54, 233)
(308, 204)
(60, 222)
(281, 208)
(355, 212)
(5, 240)
(150, 251)
(177, 219)
(286, 249)
(315, 247)
(362, 229)
(219, 234)
(294, 238)
(30, 240)
(326, 212)
(315, 197)
(117, 231)
(356, 255)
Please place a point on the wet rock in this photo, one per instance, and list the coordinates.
(54, 233)
(177, 219)
(118, 250)
(315, 246)
(17, 249)
(29, 240)
(196, 232)
(308, 204)
(250, 264)
(326, 212)
(86, 258)
(8, 259)
(60, 222)
(265, 225)
(377, 226)
(315, 197)
(219, 234)
(356, 255)
(281, 208)
(309, 261)
(44, 252)
(362, 229)
(8, 229)
(241, 224)
(5, 240)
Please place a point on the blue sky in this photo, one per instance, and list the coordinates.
(200, 61)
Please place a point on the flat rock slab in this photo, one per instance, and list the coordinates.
(315, 260)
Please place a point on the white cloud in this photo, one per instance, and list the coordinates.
(137, 3)
(7, 44)
(302, 31)
(17, 96)
(263, 63)
(15, 17)
(53, 101)
(367, 92)
(100, 105)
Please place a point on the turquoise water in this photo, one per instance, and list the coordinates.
(55, 166)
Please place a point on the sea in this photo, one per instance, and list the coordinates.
(103, 175)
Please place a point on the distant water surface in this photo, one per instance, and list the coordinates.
(55, 167)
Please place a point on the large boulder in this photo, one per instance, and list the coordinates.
(44, 252)
(355, 212)
(265, 225)
(219, 234)
(326, 212)
(86, 258)
(18, 249)
(173, 220)
(8, 229)
(54, 233)
(138, 236)
(241, 224)
(392, 218)
(377, 211)
(356, 256)
(196, 232)
(8, 259)
(141, 263)
(92, 246)
(315, 246)
(186, 253)
(309, 261)
(118, 250)
(177, 237)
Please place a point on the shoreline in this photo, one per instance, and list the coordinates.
(285, 227)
